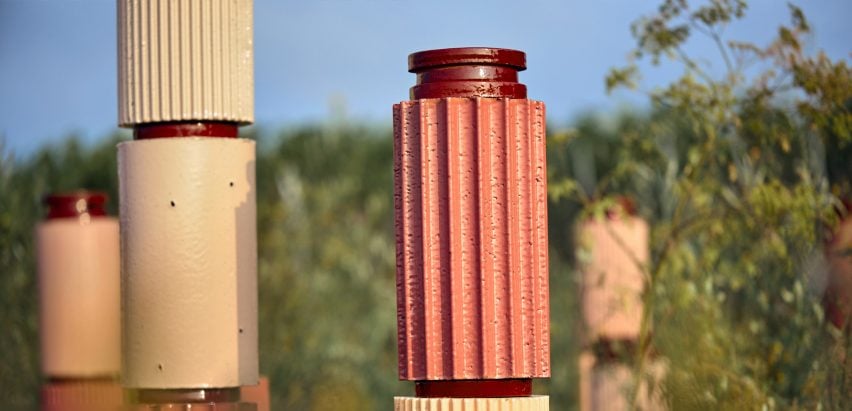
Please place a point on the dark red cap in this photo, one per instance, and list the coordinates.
(468, 72)
(75, 204)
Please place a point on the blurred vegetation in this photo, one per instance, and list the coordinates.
(738, 166)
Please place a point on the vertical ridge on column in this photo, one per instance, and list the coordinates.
(541, 268)
(542, 316)
(513, 231)
(403, 349)
(427, 238)
(486, 245)
(455, 195)
(524, 242)
(476, 323)
(445, 234)
(163, 50)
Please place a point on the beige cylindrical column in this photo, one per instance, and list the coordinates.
(534, 403)
(78, 277)
(189, 266)
(185, 60)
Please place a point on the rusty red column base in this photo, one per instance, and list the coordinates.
(221, 129)
(514, 387)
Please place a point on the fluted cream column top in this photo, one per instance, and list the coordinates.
(185, 60)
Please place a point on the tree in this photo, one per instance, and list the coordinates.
(739, 169)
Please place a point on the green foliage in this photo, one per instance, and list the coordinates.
(328, 305)
(738, 173)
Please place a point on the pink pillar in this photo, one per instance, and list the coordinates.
(78, 282)
(614, 252)
(471, 229)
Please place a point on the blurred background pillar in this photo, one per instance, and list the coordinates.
(614, 254)
(188, 214)
(79, 308)
(838, 295)
(471, 232)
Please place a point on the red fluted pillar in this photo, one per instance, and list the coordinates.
(78, 282)
(471, 231)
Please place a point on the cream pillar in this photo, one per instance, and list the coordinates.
(190, 262)
(187, 188)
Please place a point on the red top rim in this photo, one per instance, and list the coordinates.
(427, 59)
(75, 204)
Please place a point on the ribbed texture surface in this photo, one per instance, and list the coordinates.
(471, 231)
(231, 406)
(81, 396)
(185, 60)
(535, 403)
(257, 394)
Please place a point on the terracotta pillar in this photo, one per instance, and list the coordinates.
(471, 232)
(187, 187)
(614, 251)
(78, 283)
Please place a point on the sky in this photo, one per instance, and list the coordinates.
(318, 57)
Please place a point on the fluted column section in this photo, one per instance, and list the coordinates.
(534, 403)
(81, 395)
(185, 60)
(471, 230)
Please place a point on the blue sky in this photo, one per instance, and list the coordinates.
(58, 68)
